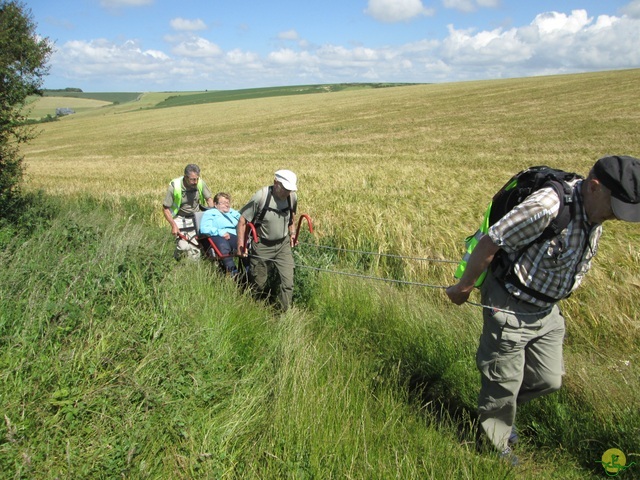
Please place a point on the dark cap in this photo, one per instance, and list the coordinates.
(621, 175)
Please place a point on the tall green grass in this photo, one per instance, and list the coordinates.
(119, 362)
(186, 377)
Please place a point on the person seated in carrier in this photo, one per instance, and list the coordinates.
(220, 224)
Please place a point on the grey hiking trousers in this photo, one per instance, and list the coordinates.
(519, 358)
(273, 254)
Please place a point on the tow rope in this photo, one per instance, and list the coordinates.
(403, 282)
(251, 233)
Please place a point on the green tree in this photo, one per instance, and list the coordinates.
(23, 58)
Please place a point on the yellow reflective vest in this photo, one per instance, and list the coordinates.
(177, 184)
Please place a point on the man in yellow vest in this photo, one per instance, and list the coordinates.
(184, 197)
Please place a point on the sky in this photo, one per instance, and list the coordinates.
(194, 45)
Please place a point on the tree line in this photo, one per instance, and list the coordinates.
(23, 66)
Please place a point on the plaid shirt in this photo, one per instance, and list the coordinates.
(556, 266)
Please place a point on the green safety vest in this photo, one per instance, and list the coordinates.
(471, 242)
(177, 184)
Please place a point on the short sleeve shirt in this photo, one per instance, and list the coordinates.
(556, 266)
(275, 225)
(190, 203)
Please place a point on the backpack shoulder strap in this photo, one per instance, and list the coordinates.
(565, 210)
(263, 206)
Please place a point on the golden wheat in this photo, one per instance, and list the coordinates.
(408, 170)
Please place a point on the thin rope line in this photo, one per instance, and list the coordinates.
(511, 312)
(379, 254)
(417, 284)
(370, 277)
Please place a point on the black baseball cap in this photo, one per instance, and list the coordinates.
(621, 175)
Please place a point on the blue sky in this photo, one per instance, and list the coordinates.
(182, 45)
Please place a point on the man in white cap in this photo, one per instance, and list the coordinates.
(520, 351)
(272, 211)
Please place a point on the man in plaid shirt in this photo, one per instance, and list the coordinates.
(520, 351)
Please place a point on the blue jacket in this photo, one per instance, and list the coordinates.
(216, 223)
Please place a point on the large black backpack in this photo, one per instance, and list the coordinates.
(528, 181)
(518, 188)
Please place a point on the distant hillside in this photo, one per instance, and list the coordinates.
(111, 97)
(178, 99)
(252, 93)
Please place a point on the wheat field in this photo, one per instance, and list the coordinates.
(405, 170)
(408, 168)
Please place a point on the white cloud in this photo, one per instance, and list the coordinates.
(461, 5)
(632, 9)
(182, 24)
(100, 59)
(286, 56)
(494, 47)
(156, 54)
(551, 43)
(196, 47)
(289, 35)
(338, 55)
(554, 22)
(105, 52)
(293, 36)
(238, 57)
(391, 11)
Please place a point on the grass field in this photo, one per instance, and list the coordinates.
(109, 97)
(141, 377)
(128, 101)
(42, 106)
(254, 93)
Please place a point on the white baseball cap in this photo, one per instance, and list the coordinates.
(288, 179)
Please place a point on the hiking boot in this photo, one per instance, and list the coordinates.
(508, 456)
(513, 437)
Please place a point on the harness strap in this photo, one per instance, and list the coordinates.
(515, 281)
(259, 218)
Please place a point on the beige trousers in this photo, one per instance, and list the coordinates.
(519, 358)
(183, 248)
